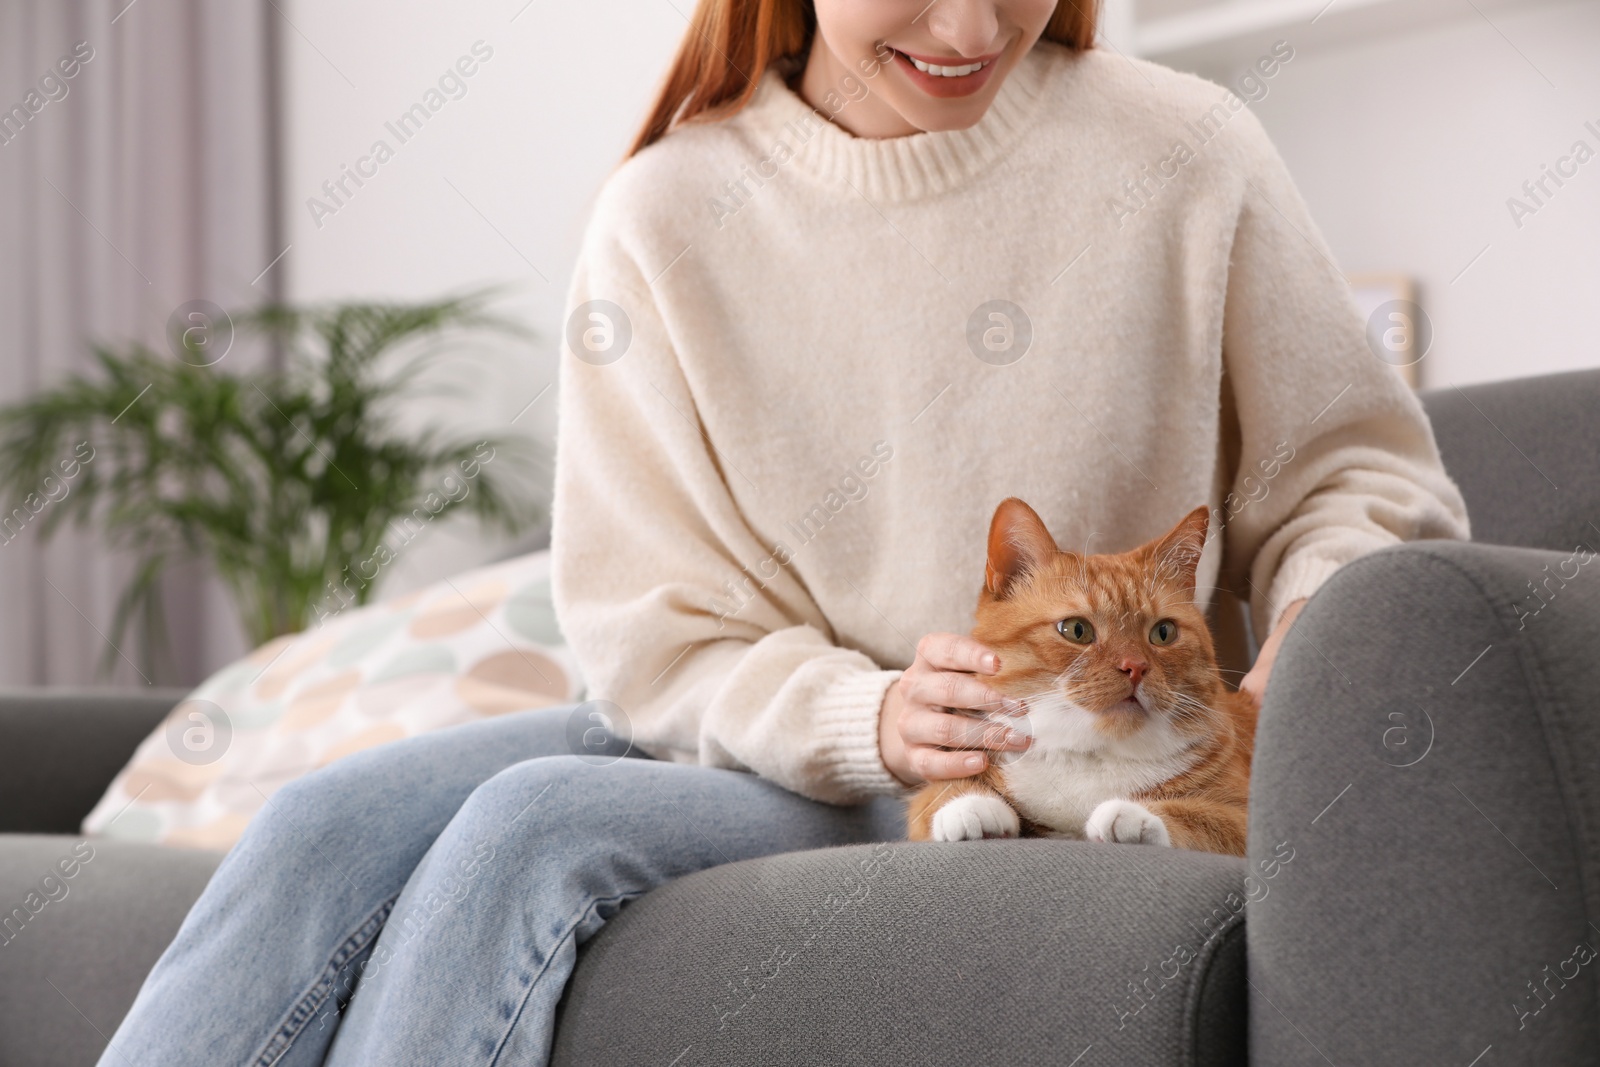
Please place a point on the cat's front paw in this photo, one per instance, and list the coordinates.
(974, 816)
(1123, 822)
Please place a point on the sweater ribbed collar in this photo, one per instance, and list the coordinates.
(898, 168)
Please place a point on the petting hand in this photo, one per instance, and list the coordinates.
(922, 732)
(1255, 683)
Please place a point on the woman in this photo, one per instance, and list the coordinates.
(869, 270)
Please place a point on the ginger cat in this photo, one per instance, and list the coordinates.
(1136, 739)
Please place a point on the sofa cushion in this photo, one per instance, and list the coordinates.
(62, 746)
(1014, 952)
(1524, 456)
(478, 644)
(81, 923)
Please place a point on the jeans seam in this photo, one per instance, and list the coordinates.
(619, 898)
(305, 1009)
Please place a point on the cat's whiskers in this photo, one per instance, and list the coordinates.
(1190, 709)
(1089, 745)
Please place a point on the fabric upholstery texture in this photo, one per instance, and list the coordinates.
(69, 971)
(59, 748)
(997, 952)
(1526, 456)
(1434, 755)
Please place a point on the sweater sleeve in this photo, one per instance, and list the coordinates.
(651, 554)
(1336, 455)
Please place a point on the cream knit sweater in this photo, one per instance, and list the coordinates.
(789, 402)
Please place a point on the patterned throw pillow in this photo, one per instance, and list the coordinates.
(479, 644)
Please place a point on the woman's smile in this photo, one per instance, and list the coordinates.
(946, 76)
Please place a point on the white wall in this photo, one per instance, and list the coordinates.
(1407, 149)
(541, 124)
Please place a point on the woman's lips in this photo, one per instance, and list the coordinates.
(944, 86)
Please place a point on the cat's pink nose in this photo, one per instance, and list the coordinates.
(1133, 668)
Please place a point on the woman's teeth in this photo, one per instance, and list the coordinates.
(945, 72)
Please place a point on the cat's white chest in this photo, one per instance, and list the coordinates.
(1065, 775)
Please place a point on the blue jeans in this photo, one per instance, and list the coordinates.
(422, 902)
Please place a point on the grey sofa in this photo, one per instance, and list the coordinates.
(1423, 884)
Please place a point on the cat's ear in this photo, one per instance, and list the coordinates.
(1018, 542)
(1175, 557)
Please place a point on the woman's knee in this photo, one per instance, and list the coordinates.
(563, 783)
(320, 810)
(636, 802)
(586, 803)
(423, 778)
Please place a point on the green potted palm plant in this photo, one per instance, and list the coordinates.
(297, 484)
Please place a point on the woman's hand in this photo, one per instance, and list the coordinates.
(920, 734)
(1255, 683)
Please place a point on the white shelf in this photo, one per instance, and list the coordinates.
(1218, 39)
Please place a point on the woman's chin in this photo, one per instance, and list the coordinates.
(932, 114)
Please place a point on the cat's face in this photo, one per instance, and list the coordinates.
(1102, 647)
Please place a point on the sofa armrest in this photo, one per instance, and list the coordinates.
(1016, 952)
(1431, 745)
(59, 750)
(75, 947)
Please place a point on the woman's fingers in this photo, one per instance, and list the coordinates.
(940, 744)
(935, 764)
(921, 725)
(948, 689)
(955, 652)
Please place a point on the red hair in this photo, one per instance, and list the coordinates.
(730, 43)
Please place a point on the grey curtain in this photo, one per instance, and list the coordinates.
(137, 173)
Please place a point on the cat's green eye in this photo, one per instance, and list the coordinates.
(1164, 632)
(1076, 630)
